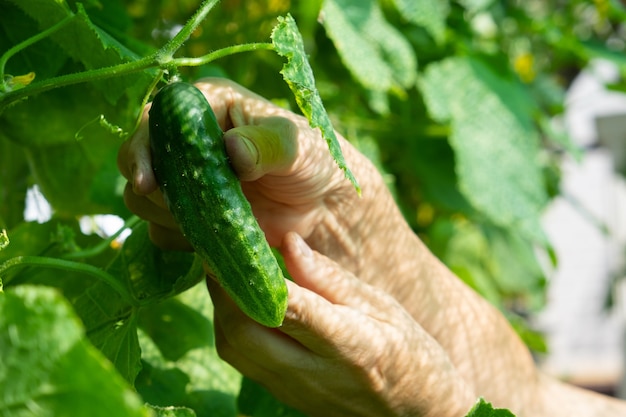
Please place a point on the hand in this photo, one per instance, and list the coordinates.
(345, 348)
(286, 170)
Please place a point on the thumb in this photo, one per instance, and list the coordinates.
(267, 147)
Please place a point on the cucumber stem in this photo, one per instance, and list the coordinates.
(166, 53)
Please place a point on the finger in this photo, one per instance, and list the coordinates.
(167, 238)
(241, 339)
(325, 277)
(147, 209)
(235, 105)
(330, 299)
(134, 160)
(238, 360)
(255, 150)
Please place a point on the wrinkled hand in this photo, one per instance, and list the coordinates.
(345, 348)
(286, 170)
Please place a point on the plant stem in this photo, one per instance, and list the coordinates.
(165, 54)
(220, 53)
(102, 246)
(162, 59)
(46, 262)
(79, 77)
(26, 43)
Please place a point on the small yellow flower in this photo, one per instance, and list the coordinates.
(524, 66)
(15, 82)
(602, 8)
(425, 214)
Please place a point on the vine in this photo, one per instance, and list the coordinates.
(14, 89)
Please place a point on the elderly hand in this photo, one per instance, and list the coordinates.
(345, 348)
(287, 174)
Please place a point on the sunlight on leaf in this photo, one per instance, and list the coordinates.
(48, 367)
(374, 51)
(474, 6)
(4, 239)
(255, 400)
(181, 364)
(430, 14)
(299, 76)
(485, 409)
(493, 136)
(172, 411)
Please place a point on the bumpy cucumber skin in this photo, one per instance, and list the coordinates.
(205, 197)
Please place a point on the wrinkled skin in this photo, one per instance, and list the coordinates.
(405, 338)
(341, 339)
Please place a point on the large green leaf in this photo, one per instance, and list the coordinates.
(52, 239)
(47, 368)
(430, 14)
(14, 182)
(374, 51)
(474, 6)
(84, 42)
(151, 275)
(299, 76)
(180, 364)
(495, 142)
(111, 326)
(256, 401)
(76, 176)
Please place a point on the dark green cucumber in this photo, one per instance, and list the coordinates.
(205, 197)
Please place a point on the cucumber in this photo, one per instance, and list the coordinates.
(205, 197)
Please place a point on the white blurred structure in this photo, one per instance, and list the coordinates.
(586, 340)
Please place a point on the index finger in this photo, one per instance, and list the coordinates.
(134, 160)
(235, 105)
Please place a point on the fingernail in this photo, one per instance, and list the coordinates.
(303, 248)
(251, 148)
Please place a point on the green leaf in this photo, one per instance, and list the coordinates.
(76, 177)
(374, 51)
(515, 267)
(172, 411)
(255, 401)
(176, 328)
(467, 255)
(111, 326)
(190, 374)
(86, 43)
(42, 239)
(47, 368)
(494, 139)
(474, 6)
(4, 239)
(485, 409)
(430, 14)
(299, 76)
(153, 274)
(14, 185)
